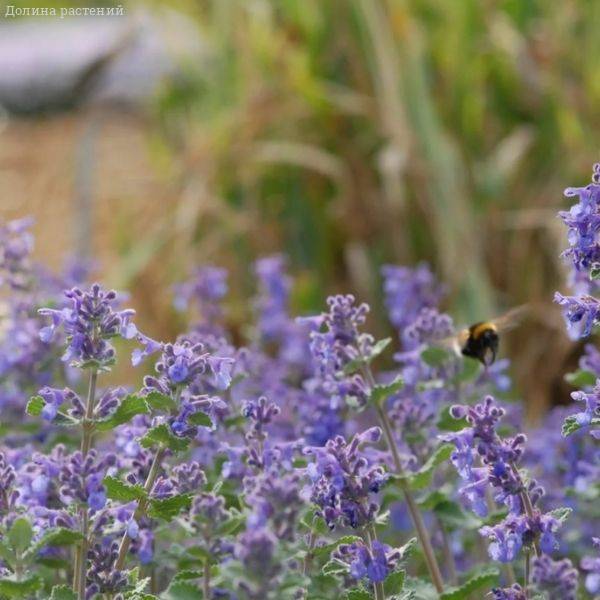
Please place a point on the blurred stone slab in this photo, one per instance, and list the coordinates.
(55, 64)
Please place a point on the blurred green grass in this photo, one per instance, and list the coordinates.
(349, 133)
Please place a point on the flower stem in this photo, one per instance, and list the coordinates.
(377, 585)
(312, 539)
(417, 519)
(526, 576)
(79, 579)
(141, 507)
(206, 580)
(527, 505)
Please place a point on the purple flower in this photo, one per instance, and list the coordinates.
(558, 578)
(407, 291)
(514, 592)
(344, 480)
(581, 313)
(206, 288)
(583, 222)
(272, 302)
(340, 343)
(375, 564)
(591, 564)
(16, 246)
(592, 405)
(89, 322)
(506, 540)
(221, 369)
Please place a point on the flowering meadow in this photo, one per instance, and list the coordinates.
(307, 461)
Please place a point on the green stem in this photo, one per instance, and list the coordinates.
(79, 579)
(526, 576)
(206, 580)
(377, 586)
(309, 554)
(413, 509)
(141, 507)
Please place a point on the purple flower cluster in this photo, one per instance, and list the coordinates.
(336, 341)
(243, 472)
(90, 320)
(344, 480)
(375, 562)
(499, 457)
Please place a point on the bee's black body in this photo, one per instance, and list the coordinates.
(482, 342)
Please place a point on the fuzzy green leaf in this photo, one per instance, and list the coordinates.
(581, 378)
(358, 594)
(393, 583)
(162, 435)
(57, 536)
(169, 508)
(435, 356)
(422, 478)
(162, 402)
(380, 393)
(561, 514)
(201, 419)
(181, 590)
(121, 491)
(63, 592)
(35, 406)
(20, 589)
(447, 422)
(334, 567)
(20, 534)
(485, 577)
(327, 549)
(130, 406)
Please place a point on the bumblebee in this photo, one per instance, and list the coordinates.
(481, 340)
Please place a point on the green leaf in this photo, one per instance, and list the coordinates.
(7, 554)
(420, 589)
(162, 435)
(234, 522)
(63, 592)
(422, 478)
(20, 589)
(435, 356)
(162, 402)
(447, 422)
(378, 348)
(187, 574)
(201, 419)
(358, 594)
(334, 567)
(469, 371)
(595, 271)
(169, 508)
(181, 590)
(123, 492)
(327, 549)
(570, 425)
(35, 406)
(57, 536)
(130, 406)
(20, 535)
(393, 583)
(380, 393)
(453, 516)
(561, 514)
(485, 577)
(581, 378)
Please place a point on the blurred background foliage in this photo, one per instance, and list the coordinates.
(352, 133)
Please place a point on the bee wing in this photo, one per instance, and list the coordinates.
(453, 342)
(510, 318)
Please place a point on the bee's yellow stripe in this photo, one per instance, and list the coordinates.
(482, 327)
